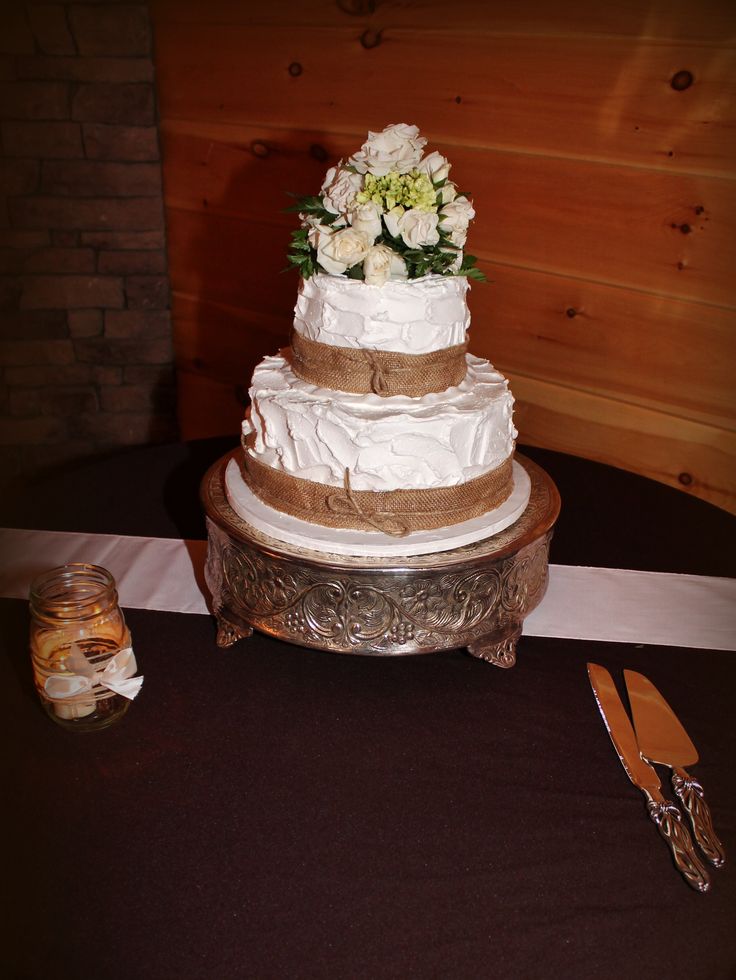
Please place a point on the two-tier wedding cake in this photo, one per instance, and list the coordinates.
(376, 432)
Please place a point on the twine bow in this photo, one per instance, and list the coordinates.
(378, 379)
(83, 676)
(347, 504)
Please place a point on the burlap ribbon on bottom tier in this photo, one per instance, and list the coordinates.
(386, 373)
(395, 512)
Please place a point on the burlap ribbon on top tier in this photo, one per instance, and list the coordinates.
(362, 371)
(395, 512)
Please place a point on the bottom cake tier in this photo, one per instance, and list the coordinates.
(372, 543)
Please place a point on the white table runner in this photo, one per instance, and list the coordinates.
(608, 604)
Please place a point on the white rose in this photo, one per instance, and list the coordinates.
(435, 166)
(419, 228)
(339, 250)
(399, 147)
(391, 220)
(457, 215)
(448, 192)
(382, 263)
(340, 188)
(367, 218)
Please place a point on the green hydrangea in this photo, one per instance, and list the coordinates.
(412, 190)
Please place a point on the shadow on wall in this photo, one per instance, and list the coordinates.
(234, 293)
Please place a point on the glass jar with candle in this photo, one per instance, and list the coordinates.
(80, 647)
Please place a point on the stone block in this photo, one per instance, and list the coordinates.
(122, 352)
(137, 240)
(131, 262)
(137, 398)
(64, 238)
(10, 293)
(147, 292)
(124, 428)
(85, 323)
(53, 400)
(50, 28)
(61, 140)
(18, 176)
(34, 100)
(16, 36)
(92, 178)
(111, 30)
(104, 102)
(150, 374)
(85, 69)
(60, 260)
(36, 374)
(21, 432)
(92, 214)
(33, 325)
(121, 324)
(70, 292)
(21, 238)
(16, 353)
(107, 142)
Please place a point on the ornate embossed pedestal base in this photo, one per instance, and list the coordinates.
(476, 596)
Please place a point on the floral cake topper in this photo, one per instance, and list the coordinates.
(388, 212)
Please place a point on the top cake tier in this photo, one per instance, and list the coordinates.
(409, 317)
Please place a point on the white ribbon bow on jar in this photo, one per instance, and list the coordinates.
(116, 676)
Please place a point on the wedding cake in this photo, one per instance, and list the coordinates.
(376, 432)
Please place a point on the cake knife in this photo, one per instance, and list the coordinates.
(663, 812)
(662, 739)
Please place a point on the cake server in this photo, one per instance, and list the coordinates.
(662, 739)
(663, 812)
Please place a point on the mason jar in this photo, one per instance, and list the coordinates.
(80, 647)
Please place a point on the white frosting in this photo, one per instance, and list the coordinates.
(412, 317)
(442, 439)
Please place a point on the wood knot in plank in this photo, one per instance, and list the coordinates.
(682, 80)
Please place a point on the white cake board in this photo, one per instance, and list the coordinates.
(339, 541)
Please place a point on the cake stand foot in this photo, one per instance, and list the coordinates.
(228, 633)
(498, 647)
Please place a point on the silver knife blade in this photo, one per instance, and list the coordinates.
(662, 739)
(659, 732)
(621, 731)
(662, 812)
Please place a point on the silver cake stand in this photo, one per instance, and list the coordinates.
(476, 596)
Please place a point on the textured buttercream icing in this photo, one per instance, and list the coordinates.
(438, 440)
(412, 317)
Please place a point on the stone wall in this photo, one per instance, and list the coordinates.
(85, 333)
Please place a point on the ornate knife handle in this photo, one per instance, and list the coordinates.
(692, 798)
(669, 823)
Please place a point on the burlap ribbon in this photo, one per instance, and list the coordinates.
(385, 373)
(395, 512)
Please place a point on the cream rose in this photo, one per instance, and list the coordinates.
(339, 250)
(382, 263)
(391, 220)
(399, 147)
(367, 218)
(340, 188)
(448, 192)
(435, 166)
(457, 215)
(419, 228)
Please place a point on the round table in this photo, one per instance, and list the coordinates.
(273, 811)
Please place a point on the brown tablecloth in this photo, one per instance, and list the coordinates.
(275, 812)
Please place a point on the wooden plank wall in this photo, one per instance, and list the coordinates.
(598, 140)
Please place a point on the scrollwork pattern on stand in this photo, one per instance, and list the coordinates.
(365, 610)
